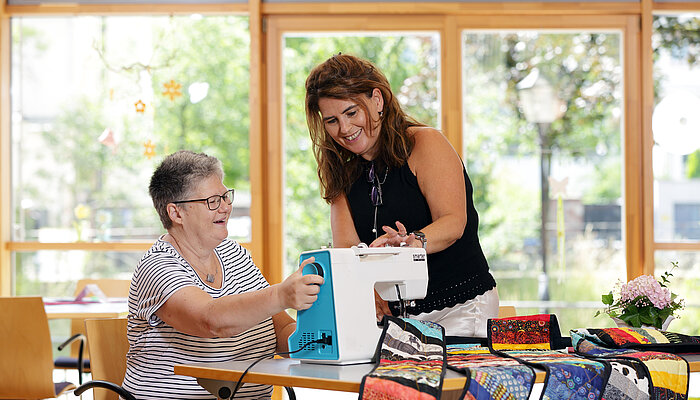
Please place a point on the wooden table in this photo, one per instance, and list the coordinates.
(74, 310)
(288, 372)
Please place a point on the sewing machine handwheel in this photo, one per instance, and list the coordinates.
(313, 268)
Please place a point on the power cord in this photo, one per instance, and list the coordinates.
(324, 340)
(402, 305)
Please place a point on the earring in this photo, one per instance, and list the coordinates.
(381, 113)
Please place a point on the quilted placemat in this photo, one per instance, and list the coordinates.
(531, 332)
(410, 362)
(532, 340)
(490, 376)
(666, 374)
(648, 339)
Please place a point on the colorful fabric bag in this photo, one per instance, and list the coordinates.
(410, 362)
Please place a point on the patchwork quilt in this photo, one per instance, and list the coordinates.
(659, 375)
(610, 364)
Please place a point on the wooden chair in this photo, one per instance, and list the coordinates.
(79, 350)
(108, 348)
(506, 311)
(26, 356)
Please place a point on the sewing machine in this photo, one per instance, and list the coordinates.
(344, 314)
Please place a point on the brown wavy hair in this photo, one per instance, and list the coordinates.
(347, 77)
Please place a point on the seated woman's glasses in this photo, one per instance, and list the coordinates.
(213, 202)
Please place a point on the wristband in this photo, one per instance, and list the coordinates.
(421, 236)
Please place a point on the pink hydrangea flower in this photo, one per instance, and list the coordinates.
(646, 289)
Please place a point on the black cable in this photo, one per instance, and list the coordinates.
(324, 340)
(402, 306)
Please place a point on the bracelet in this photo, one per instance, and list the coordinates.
(421, 236)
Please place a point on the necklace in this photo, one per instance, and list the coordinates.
(210, 277)
(376, 194)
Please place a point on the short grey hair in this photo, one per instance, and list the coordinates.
(177, 177)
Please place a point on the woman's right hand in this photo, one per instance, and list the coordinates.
(300, 291)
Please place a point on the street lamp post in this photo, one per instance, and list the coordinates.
(541, 106)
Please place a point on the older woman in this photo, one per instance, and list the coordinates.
(197, 296)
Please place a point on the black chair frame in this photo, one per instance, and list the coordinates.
(71, 363)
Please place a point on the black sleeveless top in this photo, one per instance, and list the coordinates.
(456, 274)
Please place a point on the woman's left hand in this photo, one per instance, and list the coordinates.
(398, 237)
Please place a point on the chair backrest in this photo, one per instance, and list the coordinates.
(26, 357)
(506, 311)
(111, 288)
(108, 348)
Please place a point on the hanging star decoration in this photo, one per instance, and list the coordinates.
(140, 106)
(150, 149)
(107, 139)
(172, 90)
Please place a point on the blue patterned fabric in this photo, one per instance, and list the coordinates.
(568, 376)
(490, 376)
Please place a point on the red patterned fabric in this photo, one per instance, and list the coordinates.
(527, 332)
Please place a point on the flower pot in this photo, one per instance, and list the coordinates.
(621, 324)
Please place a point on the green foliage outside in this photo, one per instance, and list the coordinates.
(693, 165)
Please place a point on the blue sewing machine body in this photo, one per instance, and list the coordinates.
(344, 313)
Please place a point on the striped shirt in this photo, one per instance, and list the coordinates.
(155, 347)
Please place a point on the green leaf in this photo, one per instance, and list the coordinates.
(607, 298)
(665, 313)
(653, 312)
(635, 321)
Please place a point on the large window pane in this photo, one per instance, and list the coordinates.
(411, 63)
(55, 273)
(676, 128)
(542, 145)
(685, 283)
(98, 101)
(676, 156)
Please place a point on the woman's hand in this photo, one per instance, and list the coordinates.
(300, 291)
(396, 237)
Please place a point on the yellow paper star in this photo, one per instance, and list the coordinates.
(140, 106)
(150, 147)
(172, 89)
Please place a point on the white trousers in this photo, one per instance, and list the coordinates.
(466, 319)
